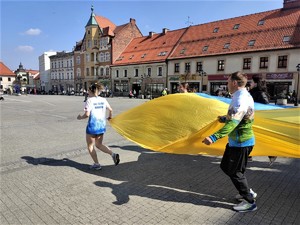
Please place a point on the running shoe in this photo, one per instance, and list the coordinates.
(95, 166)
(245, 206)
(116, 158)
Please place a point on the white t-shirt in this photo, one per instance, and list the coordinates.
(97, 119)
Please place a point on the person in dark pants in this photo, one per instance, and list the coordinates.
(259, 93)
(238, 127)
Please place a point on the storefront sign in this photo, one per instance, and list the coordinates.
(279, 76)
(218, 77)
(173, 78)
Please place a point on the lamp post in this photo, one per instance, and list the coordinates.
(202, 74)
(298, 69)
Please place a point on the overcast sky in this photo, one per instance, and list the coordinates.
(29, 28)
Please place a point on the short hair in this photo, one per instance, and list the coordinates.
(240, 77)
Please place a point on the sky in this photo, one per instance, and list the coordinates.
(30, 28)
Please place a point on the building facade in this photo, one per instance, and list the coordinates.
(62, 73)
(103, 41)
(7, 77)
(44, 68)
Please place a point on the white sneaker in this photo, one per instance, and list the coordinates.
(245, 206)
(240, 198)
(95, 166)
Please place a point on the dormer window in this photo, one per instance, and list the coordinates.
(216, 30)
(261, 22)
(205, 48)
(251, 43)
(143, 56)
(182, 51)
(236, 26)
(286, 39)
(163, 53)
(131, 57)
(227, 45)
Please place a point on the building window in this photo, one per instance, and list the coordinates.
(205, 48)
(107, 57)
(87, 71)
(101, 57)
(89, 44)
(125, 73)
(95, 42)
(117, 73)
(101, 71)
(216, 30)
(221, 65)
(199, 67)
(136, 73)
(247, 64)
(149, 72)
(159, 71)
(251, 43)
(261, 22)
(78, 72)
(263, 63)
(187, 67)
(236, 26)
(286, 39)
(182, 51)
(176, 67)
(87, 57)
(227, 45)
(282, 61)
(9, 79)
(107, 71)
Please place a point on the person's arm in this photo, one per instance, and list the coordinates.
(87, 111)
(84, 116)
(234, 117)
(110, 111)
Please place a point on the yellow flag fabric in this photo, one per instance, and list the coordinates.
(178, 123)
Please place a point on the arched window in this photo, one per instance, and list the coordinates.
(107, 57)
(101, 57)
(107, 70)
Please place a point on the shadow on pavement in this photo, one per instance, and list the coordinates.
(191, 179)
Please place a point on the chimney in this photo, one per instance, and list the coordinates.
(151, 33)
(165, 30)
(290, 4)
(132, 21)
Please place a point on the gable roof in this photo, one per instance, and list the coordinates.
(266, 30)
(5, 71)
(152, 48)
(106, 25)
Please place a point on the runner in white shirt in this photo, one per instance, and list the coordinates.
(95, 110)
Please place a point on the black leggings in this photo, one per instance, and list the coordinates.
(234, 164)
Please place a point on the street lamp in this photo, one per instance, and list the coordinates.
(298, 69)
(202, 74)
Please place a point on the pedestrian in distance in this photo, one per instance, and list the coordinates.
(95, 110)
(184, 87)
(238, 127)
(259, 93)
(164, 92)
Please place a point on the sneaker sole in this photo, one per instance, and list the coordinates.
(247, 210)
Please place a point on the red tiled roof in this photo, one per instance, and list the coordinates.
(277, 24)
(5, 71)
(107, 26)
(32, 72)
(150, 49)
